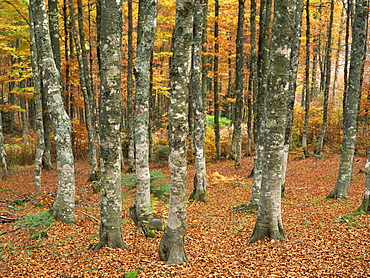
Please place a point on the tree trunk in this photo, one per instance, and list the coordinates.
(346, 51)
(216, 101)
(327, 79)
(294, 57)
(85, 86)
(64, 205)
(144, 51)
(259, 96)
(351, 109)
(199, 107)
(110, 41)
(54, 30)
(2, 151)
(66, 83)
(307, 90)
(38, 108)
(171, 247)
(46, 158)
(252, 82)
(365, 205)
(236, 143)
(130, 111)
(269, 221)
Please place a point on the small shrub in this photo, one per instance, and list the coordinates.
(224, 122)
(159, 187)
(160, 154)
(33, 222)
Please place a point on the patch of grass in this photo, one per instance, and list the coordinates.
(17, 203)
(349, 218)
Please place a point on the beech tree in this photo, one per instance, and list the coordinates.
(2, 151)
(269, 222)
(199, 108)
(85, 83)
(110, 43)
(259, 97)
(236, 144)
(307, 91)
(326, 84)
(64, 205)
(144, 52)
(216, 79)
(365, 205)
(171, 247)
(38, 107)
(351, 106)
(130, 85)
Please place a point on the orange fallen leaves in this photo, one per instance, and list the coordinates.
(318, 245)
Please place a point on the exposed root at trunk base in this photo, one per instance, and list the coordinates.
(171, 248)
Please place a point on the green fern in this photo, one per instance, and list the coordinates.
(159, 187)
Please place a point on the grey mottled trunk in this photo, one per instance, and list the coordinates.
(216, 80)
(199, 107)
(259, 97)
(38, 108)
(307, 89)
(144, 51)
(54, 30)
(64, 205)
(349, 13)
(351, 108)
(236, 143)
(171, 247)
(269, 221)
(252, 82)
(2, 151)
(110, 36)
(130, 85)
(294, 56)
(365, 205)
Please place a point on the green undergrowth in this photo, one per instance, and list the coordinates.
(36, 224)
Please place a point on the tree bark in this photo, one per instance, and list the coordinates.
(199, 108)
(130, 111)
(85, 86)
(216, 101)
(38, 107)
(365, 205)
(294, 59)
(236, 142)
(259, 97)
(171, 247)
(144, 52)
(307, 90)
(252, 82)
(110, 43)
(54, 30)
(2, 151)
(349, 13)
(64, 205)
(351, 109)
(269, 221)
(327, 79)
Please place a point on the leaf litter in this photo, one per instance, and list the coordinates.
(323, 238)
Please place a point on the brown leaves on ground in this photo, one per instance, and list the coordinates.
(322, 240)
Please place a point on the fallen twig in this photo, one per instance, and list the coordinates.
(93, 217)
(10, 231)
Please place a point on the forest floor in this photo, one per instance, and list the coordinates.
(323, 239)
